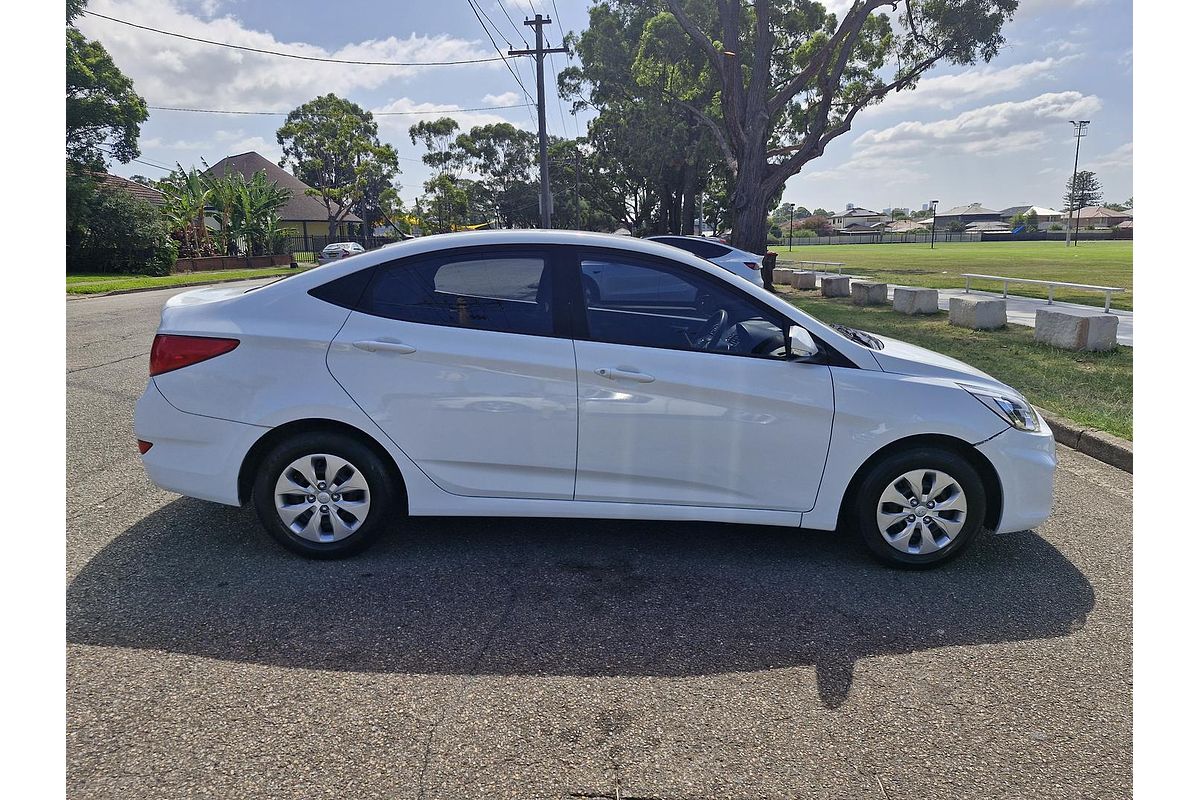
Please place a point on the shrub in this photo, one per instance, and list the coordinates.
(121, 233)
(805, 233)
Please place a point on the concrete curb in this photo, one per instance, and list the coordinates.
(115, 292)
(1089, 441)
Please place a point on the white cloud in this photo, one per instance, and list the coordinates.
(172, 71)
(946, 91)
(1120, 158)
(398, 123)
(503, 99)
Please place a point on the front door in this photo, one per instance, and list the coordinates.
(454, 355)
(686, 396)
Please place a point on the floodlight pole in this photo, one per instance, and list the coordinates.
(933, 229)
(539, 52)
(1080, 132)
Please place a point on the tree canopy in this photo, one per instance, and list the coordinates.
(1083, 192)
(333, 146)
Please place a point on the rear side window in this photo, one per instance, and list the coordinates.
(696, 247)
(505, 292)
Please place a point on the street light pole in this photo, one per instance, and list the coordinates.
(791, 224)
(933, 229)
(1080, 132)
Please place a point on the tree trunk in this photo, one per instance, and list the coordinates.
(688, 190)
(750, 198)
(332, 228)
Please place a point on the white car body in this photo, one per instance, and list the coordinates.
(339, 250)
(742, 263)
(488, 423)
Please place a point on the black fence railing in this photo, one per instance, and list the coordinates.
(305, 248)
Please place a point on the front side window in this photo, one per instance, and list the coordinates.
(646, 303)
(507, 292)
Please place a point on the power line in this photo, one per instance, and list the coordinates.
(375, 113)
(520, 35)
(500, 56)
(516, 77)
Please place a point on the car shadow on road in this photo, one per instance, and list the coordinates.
(559, 597)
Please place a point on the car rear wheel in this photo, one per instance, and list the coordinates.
(921, 507)
(323, 495)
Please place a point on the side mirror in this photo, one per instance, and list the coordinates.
(800, 343)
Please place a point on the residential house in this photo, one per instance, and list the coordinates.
(967, 214)
(148, 193)
(908, 226)
(1099, 217)
(988, 227)
(854, 220)
(304, 215)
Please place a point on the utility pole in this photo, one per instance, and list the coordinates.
(933, 230)
(578, 207)
(539, 52)
(791, 224)
(1080, 132)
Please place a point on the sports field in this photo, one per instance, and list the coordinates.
(1107, 263)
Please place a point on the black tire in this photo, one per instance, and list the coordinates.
(876, 480)
(380, 484)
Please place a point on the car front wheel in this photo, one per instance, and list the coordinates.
(921, 508)
(323, 495)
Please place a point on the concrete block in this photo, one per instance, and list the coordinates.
(868, 294)
(835, 286)
(913, 300)
(782, 276)
(1094, 332)
(981, 314)
(804, 280)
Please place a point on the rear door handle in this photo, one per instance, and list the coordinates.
(624, 374)
(384, 345)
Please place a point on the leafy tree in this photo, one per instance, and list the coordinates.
(819, 224)
(503, 156)
(104, 113)
(924, 213)
(820, 212)
(1086, 191)
(901, 213)
(791, 78)
(121, 234)
(438, 136)
(333, 146)
(188, 194)
(247, 210)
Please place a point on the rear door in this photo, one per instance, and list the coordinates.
(458, 357)
(674, 411)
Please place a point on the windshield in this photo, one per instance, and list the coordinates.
(857, 336)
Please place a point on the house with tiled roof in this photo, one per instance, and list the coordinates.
(975, 212)
(1099, 217)
(857, 219)
(139, 190)
(304, 215)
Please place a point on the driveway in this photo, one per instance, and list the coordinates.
(559, 658)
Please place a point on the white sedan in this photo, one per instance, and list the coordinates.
(339, 250)
(740, 262)
(566, 374)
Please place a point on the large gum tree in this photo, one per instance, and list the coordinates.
(791, 77)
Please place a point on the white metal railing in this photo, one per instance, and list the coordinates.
(1108, 290)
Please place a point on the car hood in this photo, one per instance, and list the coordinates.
(909, 359)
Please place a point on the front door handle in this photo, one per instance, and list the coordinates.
(614, 374)
(384, 345)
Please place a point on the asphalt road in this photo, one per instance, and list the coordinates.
(571, 659)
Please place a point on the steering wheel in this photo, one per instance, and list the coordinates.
(714, 329)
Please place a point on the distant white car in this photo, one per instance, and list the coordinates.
(339, 250)
(739, 262)
(531, 373)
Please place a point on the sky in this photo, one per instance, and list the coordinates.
(996, 133)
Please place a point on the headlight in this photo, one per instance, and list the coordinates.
(1011, 408)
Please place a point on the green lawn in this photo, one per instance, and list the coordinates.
(1105, 263)
(98, 284)
(1092, 389)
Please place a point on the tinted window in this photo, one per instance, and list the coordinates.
(695, 246)
(507, 292)
(652, 304)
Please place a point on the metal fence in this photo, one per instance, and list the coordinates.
(923, 238)
(305, 248)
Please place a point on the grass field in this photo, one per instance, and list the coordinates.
(1108, 263)
(1093, 389)
(98, 284)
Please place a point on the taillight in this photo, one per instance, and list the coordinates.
(144, 446)
(752, 265)
(170, 352)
